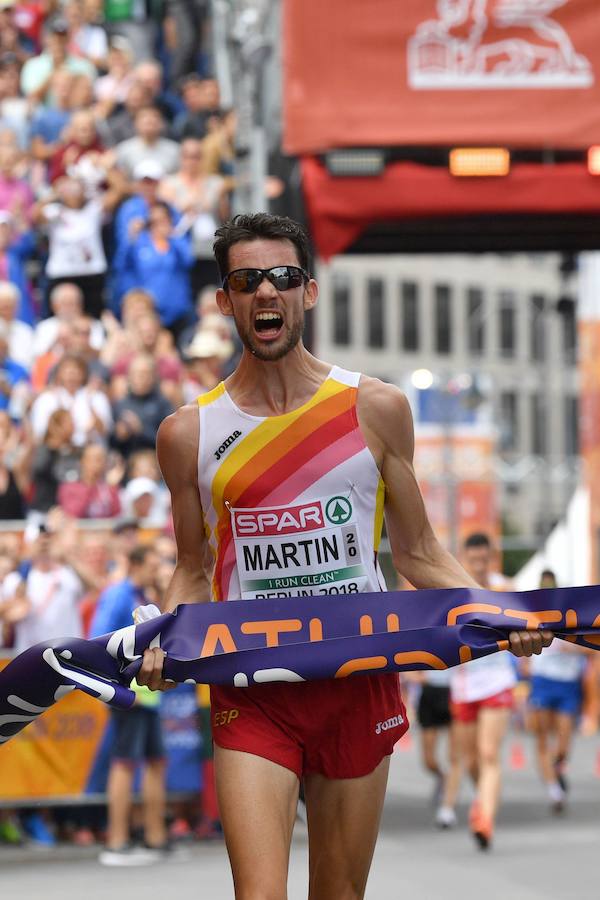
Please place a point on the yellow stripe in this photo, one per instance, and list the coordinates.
(261, 436)
(207, 399)
(378, 522)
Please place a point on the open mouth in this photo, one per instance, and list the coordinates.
(268, 325)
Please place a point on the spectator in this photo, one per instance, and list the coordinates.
(220, 149)
(15, 391)
(15, 110)
(138, 737)
(55, 462)
(82, 146)
(159, 260)
(149, 73)
(204, 201)
(204, 359)
(66, 304)
(86, 39)
(49, 123)
(142, 499)
(36, 75)
(78, 342)
(30, 16)
(16, 196)
(14, 470)
(206, 304)
(44, 604)
(156, 341)
(120, 124)
(74, 226)
(17, 246)
(148, 144)
(95, 495)
(96, 556)
(184, 26)
(19, 335)
(121, 336)
(136, 22)
(138, 415)
(12, 39)
(111, 90)
(89, 408)
(201, 100)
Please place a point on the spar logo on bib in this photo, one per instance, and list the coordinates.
(338, 510)
(278, 520)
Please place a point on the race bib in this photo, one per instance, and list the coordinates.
(291, 551)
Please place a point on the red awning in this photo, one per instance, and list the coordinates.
(340, 209)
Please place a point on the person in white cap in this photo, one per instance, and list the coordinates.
(204, 359)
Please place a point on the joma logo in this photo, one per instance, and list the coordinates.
(227, 443)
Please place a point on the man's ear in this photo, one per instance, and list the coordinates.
(224, 302)
(311, 294)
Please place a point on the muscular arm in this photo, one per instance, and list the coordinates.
(386, 421)
(177, 451)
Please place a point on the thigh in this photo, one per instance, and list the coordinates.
(257, 802)
(343, 821)
(492, 725)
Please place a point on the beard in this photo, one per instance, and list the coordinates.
(276, 350)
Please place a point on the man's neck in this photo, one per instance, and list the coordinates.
(274, 388)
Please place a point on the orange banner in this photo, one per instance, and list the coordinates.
(523, 73)
(53, 757)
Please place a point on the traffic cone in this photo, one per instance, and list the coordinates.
(517, 756)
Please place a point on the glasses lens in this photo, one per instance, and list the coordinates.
(285, 277)
(245, 281)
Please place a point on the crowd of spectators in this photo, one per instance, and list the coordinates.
(116, 167)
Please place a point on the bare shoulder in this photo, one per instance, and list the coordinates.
(177, 443)
(385, 413)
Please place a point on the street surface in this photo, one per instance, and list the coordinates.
(535, 856)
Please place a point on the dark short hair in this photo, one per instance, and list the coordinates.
(257, 226)
(477, 539)
(137, 556)
(548, 573)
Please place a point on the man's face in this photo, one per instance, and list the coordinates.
(267, 339)
(478, 561)
(147, 570)
(148, 124)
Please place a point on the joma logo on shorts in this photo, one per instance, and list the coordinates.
(227, 443)
(394, 722)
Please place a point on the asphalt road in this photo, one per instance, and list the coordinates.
(536, 856)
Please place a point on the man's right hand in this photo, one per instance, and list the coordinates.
(151, 671)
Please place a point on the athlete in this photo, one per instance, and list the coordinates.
(287, 432)
(481, 701)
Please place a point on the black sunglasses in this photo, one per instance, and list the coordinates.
(283, 278)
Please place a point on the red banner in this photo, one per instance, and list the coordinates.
(522, 73)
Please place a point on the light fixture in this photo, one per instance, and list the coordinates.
(355, 163)
(593, 160)
(479, 162)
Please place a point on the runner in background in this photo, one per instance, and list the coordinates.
(482, 698)
(555, 701)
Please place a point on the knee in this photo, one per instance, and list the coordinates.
(489, 756)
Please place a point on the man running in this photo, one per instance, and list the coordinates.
(482, 697)
(287, 431)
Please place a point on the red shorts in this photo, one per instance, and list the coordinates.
(341, 728)
(468, 712)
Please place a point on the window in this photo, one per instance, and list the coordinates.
(475, 322)
(409, 316)
(341, 310)
(537, 328)
(538, 425)
(443, 319)
(507, 324)
(571, 406)
(567, 310)
(375, 313)
(509, 420)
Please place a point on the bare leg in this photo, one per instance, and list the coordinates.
(343, 821)
(257, 800)
(154, 803)
(120, 783)
(565, 725)
(455, 770)
(429, 739)
(491, 728)
(542, 726)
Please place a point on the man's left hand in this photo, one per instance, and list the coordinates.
(526, 643)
